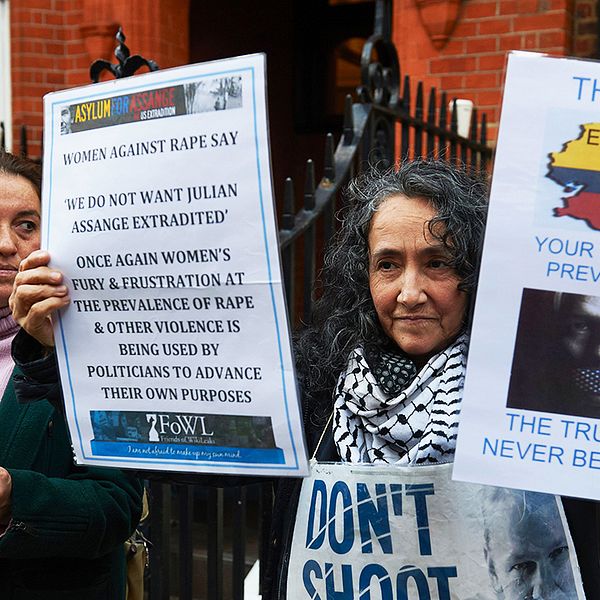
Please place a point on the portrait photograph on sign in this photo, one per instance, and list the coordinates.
(396, 532)
(556, 367)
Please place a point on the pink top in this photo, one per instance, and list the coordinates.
(8, 330)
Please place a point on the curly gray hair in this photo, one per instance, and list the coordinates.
(344, 316)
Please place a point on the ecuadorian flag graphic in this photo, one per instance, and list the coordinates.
(577, 169)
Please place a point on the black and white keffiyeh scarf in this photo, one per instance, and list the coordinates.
(391, 414)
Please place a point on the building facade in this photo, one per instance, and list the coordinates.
(312, 46)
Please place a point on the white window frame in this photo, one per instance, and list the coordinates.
(5, 75)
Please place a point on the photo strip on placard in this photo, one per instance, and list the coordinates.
(556, 365)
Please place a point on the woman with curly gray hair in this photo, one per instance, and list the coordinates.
(397, 283)
(382, 363)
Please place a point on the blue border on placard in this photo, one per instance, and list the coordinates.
(295, 466)
(271, 456)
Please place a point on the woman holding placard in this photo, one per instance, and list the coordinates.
(62, 526)
(382, 368)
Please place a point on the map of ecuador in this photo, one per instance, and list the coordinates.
(577, 169)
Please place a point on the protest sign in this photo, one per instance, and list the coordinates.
(529, 417)
(174, 353)
(400, 533)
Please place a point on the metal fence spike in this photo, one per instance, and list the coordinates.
(24, 151)
(288, 216)
(443, 111)
(329, 161)
(454, 117)
(406, 94)
(419, 101)
(431, 113)
(309, 185)
(431, 108)
(127, 66)
(483, 138)
(348, 121)
(473, 128)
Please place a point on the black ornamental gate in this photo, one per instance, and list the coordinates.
(205, 539)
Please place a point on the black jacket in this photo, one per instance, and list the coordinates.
(65, 540)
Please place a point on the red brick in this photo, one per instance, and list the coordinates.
(508, 7)
(51, 18)
(488, 98)
(37, 62)
(61, 5)
(587, 29)
(54, 48)
(557, 5)
(495, 26)
(32, 91)
(583, 10)
(530, 41)
(74, 18)
(452, 65)
(55, 77)
(451, 82)
(553, 20)
(25, 45)
(480, 45)
(482, 9)
(29, 5)
(511, 42)
(553, 39)
(465, 29)
(60, 34)
(481, 80)
(585, 48)
(525, 7)
(493, 62)
(454, 47)
(37, 31)
(32, 106)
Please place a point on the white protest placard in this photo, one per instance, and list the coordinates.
(174, 353)
(410, 533)
(529, 417)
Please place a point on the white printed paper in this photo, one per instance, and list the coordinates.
(399, 533)
(174, 353)
(529, 417)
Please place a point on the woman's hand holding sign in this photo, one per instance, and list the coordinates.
(38, 291)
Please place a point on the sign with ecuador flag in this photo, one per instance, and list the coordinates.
(531, 411)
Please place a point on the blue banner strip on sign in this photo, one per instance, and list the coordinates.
(273, 456)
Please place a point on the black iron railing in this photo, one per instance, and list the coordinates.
(23, 148)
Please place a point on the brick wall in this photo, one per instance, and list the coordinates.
(53, 43)
(585, 31)
(471, 64)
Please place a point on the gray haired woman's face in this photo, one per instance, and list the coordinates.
(412, 283)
